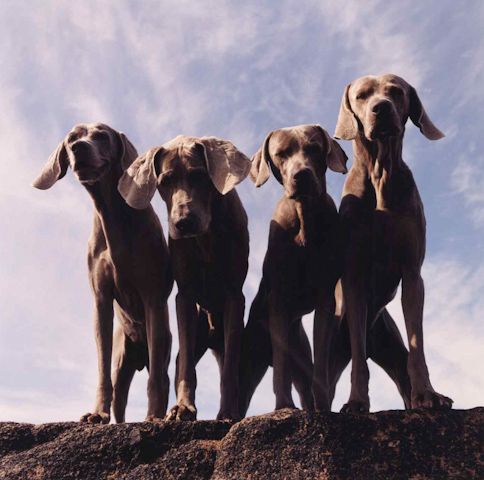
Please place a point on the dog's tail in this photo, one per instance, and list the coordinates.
(256, 353)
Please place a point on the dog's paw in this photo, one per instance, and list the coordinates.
(98, 417)
(355, 406)
(182, 412)
(154, 419)
(321, 406)
(229, 415)
(431, 399)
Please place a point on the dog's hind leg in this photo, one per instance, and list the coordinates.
(386, 349)
(125, 363)
(340, 356)
(256, 353)
(301, 364)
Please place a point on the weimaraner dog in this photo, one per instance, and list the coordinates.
(209, 247)
(128, 267)
(384, 223)
(301, 267)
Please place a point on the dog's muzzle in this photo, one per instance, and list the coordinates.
(187, 226)
(303, 183)
(385, 121)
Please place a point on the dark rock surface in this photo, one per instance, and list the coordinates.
(286, 445)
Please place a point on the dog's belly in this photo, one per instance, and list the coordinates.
(303, 291)
(382, 290)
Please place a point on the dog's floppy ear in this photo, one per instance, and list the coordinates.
(128, 151)
(419, 117)
(346, 126)
(138, 183)
(226, 165)
(335, 156)
(260, 169)
(54, 169)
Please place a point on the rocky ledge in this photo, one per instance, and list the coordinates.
(283, 445)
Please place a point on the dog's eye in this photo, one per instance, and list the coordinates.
(363, 94)
(72, 137)
(164, 178)
(312, 149)
(100, 136)
(283, 153)
(395, 92)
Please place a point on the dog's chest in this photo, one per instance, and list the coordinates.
(313, 267)
(205, 268)
(300, 273)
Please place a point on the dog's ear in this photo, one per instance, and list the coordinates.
(226, 165)
(260, 169)
(138, 183)
(419, 117)
(335, 156)
(54, 169)
(128, 151)
(347, 125)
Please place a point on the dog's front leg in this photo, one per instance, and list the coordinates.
(423, 394)
(229, 382)
(186, 376)
(279, 320)
(159, 349)
(103, 330)
(323, 331)
(356, 314)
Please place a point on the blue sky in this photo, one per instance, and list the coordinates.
(234, 70)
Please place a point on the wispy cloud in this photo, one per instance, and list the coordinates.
(468, 180)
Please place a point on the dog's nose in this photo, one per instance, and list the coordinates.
(82, 155)
(187, 225)
(79, 147)
(382, 108)
(303, 177)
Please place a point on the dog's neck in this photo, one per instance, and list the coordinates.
(113, 215)
(379, 159)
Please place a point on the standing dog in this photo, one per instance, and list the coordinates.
(384, 225)
(209, 247)
(128, 267)
(301, 267)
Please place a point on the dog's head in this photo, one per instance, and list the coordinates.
(90, 150)
(379, 107)
(298, 157)
(188, 173)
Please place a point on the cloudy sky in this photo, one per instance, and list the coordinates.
(234, 70)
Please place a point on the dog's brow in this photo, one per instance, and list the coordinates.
(286, 145)
(393, 86)
(313, 138)
(75, 134)
(284, 151)
(364, 92)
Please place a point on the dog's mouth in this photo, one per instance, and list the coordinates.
(90, 175)
(383, 130)
(301, 195)
(187, 227)
(303, 190)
